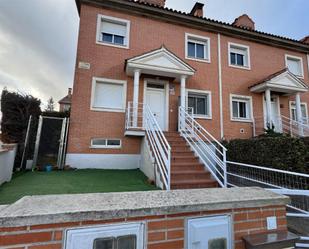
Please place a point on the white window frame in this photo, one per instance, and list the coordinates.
(292, 105)
(243, 98)
(240, 46)
(95, 80)
(293, 57)
(106, 146)
(201, 92)
(201, 40)
(127, 23)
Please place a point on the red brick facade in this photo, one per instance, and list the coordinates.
(147, 34)
(163, 231)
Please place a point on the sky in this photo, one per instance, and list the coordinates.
(38, 38)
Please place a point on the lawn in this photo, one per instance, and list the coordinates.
(72, 182)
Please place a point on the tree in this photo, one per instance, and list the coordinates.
(50, 105)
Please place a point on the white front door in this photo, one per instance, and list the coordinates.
(155, 99)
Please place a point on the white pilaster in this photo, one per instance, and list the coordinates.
(268, 107)
(298, 113)
(183, 91)
(137, 74)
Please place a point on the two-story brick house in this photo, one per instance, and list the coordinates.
(137, 56)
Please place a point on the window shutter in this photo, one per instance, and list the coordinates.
(294, 66)
(114, 28)
(109, 95)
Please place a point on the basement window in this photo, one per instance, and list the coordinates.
(113, 31)
(118, 236)
(99, 143)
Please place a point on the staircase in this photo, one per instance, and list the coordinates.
(186, 170)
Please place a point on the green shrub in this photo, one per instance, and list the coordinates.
(282, 152)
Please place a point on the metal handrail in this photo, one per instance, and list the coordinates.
(210, 151)
(140, 116)
(293, 184)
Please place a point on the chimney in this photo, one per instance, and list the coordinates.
(159, 3)
(70, 91)
(197, 10)
(305, 39)
(244, 21)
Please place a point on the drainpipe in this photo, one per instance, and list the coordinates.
(220, 87)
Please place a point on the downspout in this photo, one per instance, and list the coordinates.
(220, 87)
(308, 63)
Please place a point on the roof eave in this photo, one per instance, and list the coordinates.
(182, 18)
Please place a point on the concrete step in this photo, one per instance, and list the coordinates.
(197, 183)
(190, 175)
(186, 158)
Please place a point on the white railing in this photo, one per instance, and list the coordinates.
(139, 116)
(294, 128)
(295, 185)
(135, 116)
(210, 151)
(283, 125)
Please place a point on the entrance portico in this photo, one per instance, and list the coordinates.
(280, 83)
(157, 63)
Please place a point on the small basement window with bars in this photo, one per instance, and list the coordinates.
(120, 236)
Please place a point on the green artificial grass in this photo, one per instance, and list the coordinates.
(72, 182)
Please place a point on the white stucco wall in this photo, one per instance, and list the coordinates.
(103, 161)
(7, 158)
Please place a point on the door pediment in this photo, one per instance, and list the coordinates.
(159, 62)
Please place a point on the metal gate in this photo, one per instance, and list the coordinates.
(51, 141)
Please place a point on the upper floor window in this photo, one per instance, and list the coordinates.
(239, 56)
(295, 65)
(108, 95)
(197, 48)
(113, 31)
(199, 102)
(241, 108)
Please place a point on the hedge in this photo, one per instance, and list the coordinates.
(283, 152)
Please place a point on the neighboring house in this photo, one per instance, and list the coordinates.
(65, 103)
(236, 80)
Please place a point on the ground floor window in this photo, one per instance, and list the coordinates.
(108, 95)
(199, 102)
(304, 112)
(105, 143)
(241, 108)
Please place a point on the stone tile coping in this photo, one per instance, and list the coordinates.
(31, 210)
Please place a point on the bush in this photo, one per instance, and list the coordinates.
(16, 109)
(282, 152)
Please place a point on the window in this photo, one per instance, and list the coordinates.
(241, 107)
(128, 242)
(108, 95)
(239, 56)
(105, 143)
(197, 48)
(295, 65)
(200, 103)
(118, 236)
(304, 112)
(113, 31)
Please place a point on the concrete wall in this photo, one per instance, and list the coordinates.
(41, 222)
(7, 158)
